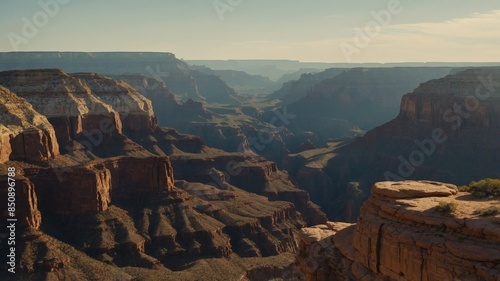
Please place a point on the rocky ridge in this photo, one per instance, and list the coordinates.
(24, 133)
(163, 66)
(401, 235)
(123, 207)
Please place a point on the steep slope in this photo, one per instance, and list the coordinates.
(230, 128)
(295, 89)
(241, 81)
(122, 207)
(402, 235)
(24, 133)
(215, 90)
(356, 100)
(447, 130)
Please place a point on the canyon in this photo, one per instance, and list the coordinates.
(170, 173)
(106, 186)
(350, 101)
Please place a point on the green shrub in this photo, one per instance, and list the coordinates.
(483, 188)
(447, 207)
(487, 211)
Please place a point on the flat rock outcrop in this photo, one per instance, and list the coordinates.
(412, 189)
(401, 235)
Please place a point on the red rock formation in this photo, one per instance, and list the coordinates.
(121, 207)
(26, 208)
(254, 174)
(68, 104)
(434, 137)
(356, 100)
(24, 133)
(461, 104)
(401, 235)
(136, 111)
(91, 187)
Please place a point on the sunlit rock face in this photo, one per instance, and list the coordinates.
(401, 235)
(109, 199)
(25, 134)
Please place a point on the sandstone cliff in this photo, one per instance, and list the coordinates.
(117, 201)
(71, 107)
(28, 213)
(401, 235)
(194, 161)
(136, 111)
(92, 186)
(24, 133)
(294, 90)
(184, 81)
(230, 128)
(461, 104)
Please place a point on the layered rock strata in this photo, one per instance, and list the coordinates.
(69, 105)
(402, 235)
(136, 111)
(92, 186)
(26, 203)
(446, 131)
(24, 133)
(118, 203)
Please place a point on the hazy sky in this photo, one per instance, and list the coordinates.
(318, 30)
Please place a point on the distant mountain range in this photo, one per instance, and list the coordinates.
(275, 69)
(184, 81)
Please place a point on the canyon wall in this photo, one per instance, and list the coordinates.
(446, 131)
(110, 193)
(24, 133)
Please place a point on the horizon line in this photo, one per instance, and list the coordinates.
(263, 59)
